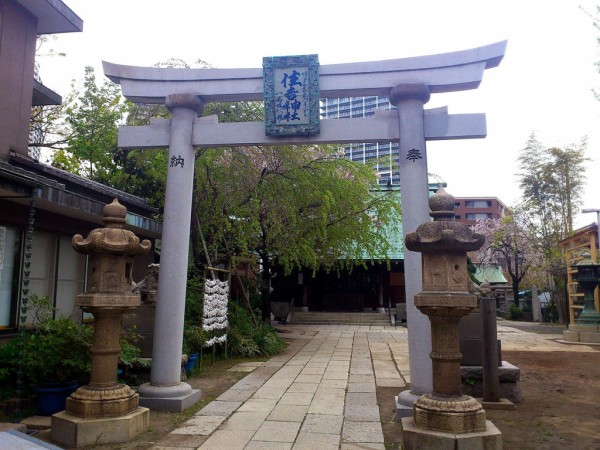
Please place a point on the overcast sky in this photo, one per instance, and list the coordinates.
(544, 84)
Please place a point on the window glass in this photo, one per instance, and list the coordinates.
(43, 259)
(9, 262)
(478, 204)
(478, 216)
(42, 264)
(70, 278)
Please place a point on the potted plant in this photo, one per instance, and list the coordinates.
(55, 359)
(194, 338)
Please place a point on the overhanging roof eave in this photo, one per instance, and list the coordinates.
(53, 16)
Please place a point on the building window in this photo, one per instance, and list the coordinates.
(478, 204)
(10, 251)
(70, 277)
(478, 216)
(457, 217)
(457, 204)
(56, 272)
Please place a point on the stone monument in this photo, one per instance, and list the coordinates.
(105, 411)
(446, 418)
(143, 316)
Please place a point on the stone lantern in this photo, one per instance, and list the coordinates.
(588, 277)
(105, 411)
(442, 416)
(586, 328)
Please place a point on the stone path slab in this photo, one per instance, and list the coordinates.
(319, 393)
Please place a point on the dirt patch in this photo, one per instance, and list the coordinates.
(561, 394)
(392, 430)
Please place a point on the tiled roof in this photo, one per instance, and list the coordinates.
(492, 273)
(74, 182)
(74, 196)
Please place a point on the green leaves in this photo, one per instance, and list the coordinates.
(553, 181)
(94, 118)
(88, 138)
(292, 207)
(295, 206)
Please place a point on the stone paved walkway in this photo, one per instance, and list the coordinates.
(319, 393)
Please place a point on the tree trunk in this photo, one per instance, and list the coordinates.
(196, 237)
(266, 291)
(515, 288)
(560, 298)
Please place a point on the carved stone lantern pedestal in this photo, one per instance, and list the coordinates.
(446, 409)
(105, 411)
(446, 418)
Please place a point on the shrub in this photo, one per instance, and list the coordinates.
(56, 350)
(550, 312)
(193, 301)
(130, 353)
(247, 339)
(59, 350)
(244, 338)
(515, 312)
(194, 338)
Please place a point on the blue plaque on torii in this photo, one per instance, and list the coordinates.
(291, 95)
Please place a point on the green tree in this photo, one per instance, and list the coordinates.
(292, 207)
(93, 120)
(552, 182)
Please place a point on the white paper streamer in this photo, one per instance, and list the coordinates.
(216, 295)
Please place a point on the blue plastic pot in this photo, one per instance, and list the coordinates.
(51, 397)
(191, 362)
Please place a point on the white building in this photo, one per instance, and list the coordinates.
(385, 154)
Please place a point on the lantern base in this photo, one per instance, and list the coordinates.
(87, 402)
(588, 334)
(457, 415)
(588, 317)
(74, 431)
(415, 438)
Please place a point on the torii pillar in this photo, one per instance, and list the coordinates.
(409, 99)
(166, 391)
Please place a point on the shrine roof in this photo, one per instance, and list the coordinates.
(492, 273)
(72, 195)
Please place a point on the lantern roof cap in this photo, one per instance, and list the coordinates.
(113, 238)
(586, 259)
(444, 233)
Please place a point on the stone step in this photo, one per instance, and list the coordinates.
(324, 318)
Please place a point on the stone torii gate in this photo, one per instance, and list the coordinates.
(407, 82)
